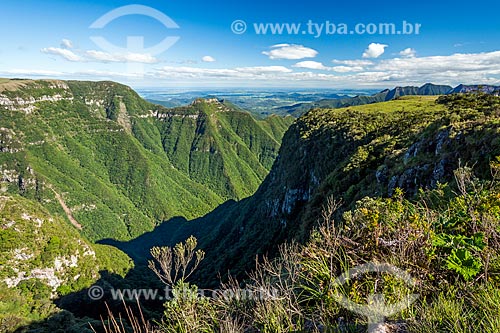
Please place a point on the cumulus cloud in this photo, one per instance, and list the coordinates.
(65, 53)
(208, 59)
(456, 64)
(374, 50)
(66, 44)
(290, 51)
(470, 68)
(311, 65)
(408, 53)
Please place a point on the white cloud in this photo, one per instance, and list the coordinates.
(83, 75)
(353, 62)
(374, 50)
(106, 75)
(100, 56)
(31, 72)
(258, 72)
(347, 69)
(311, 65)
(471, 65)
(290, 51)
(143, 58)
(319, 66)
(193, 72)
(208, 59)
(471, 68)
(66, 54)
(182, 62)
(347, 66)
(66, 44)
(263, 69)
(408, 53)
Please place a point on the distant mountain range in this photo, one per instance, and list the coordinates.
(492, 90)
(259, 102)
(427, 89)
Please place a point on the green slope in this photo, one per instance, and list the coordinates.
(229, 151)
(116, 164)
(41, 257)
(385, 95)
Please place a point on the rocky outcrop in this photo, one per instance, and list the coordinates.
(34, 238)
(428, 161)
(28, 104)
(9, 142)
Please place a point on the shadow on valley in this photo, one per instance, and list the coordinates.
(171, 232)
(80, 310)
(223, 234)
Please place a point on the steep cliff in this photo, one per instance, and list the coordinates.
(350, 153)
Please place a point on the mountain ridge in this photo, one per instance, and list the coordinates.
(99, 145)
(385, 95)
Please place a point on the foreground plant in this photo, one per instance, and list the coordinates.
(134, 323)
(176, 264)
(187, 311)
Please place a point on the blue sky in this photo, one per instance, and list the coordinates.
(456, 43)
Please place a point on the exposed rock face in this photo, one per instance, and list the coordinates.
(42, 248)
(28, 105)
(219, 104)
(9, 142)
(130, 163)
(123, 118)
(173, 114)
(428, 159)
(292, 196)
(52, 276)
